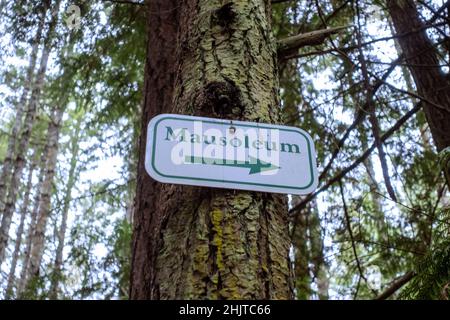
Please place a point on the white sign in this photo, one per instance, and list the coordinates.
(230, 154)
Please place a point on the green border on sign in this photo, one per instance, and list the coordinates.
(226, 181)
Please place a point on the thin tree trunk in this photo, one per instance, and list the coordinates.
(57, 269)
(51, 150)
(423, 127)
(423, 62)
(307, 238)
(31, 228)
(5, 176)
(309, 260)
(371, 109)
(20, 229)
(381, 227)
(20, 159)
(320, 268)
(302, 256)
(214, 243)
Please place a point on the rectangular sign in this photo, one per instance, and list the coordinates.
(230, 154)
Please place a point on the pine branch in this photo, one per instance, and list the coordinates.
(358, 161)
(365, 44)
(330, 16)
(414, 95)
(313, 38)
(397, 284)
(429, 24)
(125, 2)
(279, 1)
(362, 112)
(375, 126)
(352, 238)
(439, 13)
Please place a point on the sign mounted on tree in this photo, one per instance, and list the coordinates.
(230, 154)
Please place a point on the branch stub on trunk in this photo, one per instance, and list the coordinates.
(223, 98)
(225, 15)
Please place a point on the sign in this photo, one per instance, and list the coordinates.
(230, 154)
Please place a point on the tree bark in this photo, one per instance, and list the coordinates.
(72, 175)
(423, 126)
(20, 159)
(162, 26)
(423, 63)
(20, 229)
(214, 243)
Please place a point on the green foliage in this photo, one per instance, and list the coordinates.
(118, 261)
(432, 281)
(35, 289)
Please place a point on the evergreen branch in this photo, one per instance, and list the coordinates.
(365, 44)
(372, 116)
(432, 273)
(125, 2)
(279, 1)
(313, 38)
(429, 24)
(326, 19)
(358, 161)
(439, 13)
(415, 95)
(422, 212)
(397, 284)
(384, 246)
(92, 194)
(359, 116)
(352, 238)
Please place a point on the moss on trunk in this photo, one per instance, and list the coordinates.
(214, 243)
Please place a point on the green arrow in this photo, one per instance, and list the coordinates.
(255, 165)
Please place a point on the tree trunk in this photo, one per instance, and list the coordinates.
(31, 228)
(20, 108)
(309, 261)
(318, 262)
(23, 215)
(57, 268)
(381, 227)
(423, 62)
(423, 126)
(307, 238)
(51, 150)
(162, 24)
(214, 243)
(302, 257)
(20, 159)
